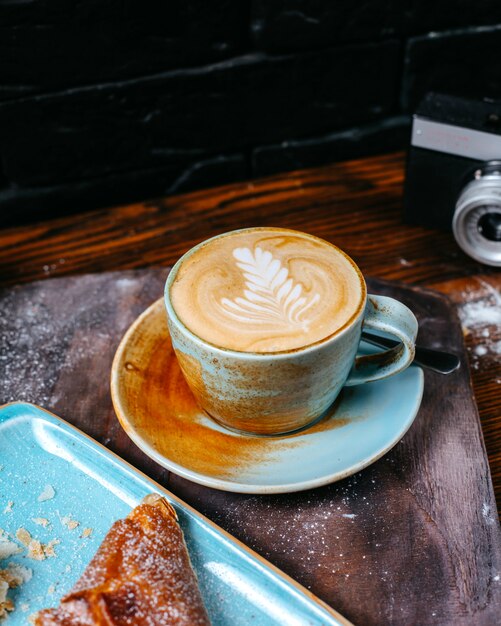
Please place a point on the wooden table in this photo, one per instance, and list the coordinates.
(357, 205)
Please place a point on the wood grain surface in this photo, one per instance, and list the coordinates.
(413, 539)
(356, 205)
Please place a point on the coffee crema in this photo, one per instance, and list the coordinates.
(266, 290)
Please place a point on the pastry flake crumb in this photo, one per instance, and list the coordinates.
(8, 548)
(69, 522)
(11, 577)
(15, 575)
(23, 536)
(25, 607)
(35, 550)
(86, 532)
(49, 548)
(8, 508)
(4, 587)
(6, 603)
(47, 494)
(51, 589)
(40, 521)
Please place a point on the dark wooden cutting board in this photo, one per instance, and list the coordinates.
(413, 539)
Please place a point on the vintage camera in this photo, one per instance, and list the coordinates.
(454, 172)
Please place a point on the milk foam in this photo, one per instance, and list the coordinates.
(266, 290)
(270, 296)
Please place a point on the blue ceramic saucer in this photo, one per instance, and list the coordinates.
(158, 412)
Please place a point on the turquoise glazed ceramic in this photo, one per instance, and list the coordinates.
(92, 486)
(159, 413)
(270, 393)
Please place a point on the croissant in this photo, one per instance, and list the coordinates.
(141, 575)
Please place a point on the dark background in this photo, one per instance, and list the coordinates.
(106, 101)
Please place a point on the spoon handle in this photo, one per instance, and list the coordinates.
(436, 360)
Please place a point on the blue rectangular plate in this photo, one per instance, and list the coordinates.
(95, 487)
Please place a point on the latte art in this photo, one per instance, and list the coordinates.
(266, 290)
(270, 297)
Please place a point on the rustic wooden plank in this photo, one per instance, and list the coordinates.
(57, 341)
(355, 204)
(412, 539)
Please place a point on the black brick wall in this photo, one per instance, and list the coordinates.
(108, 101)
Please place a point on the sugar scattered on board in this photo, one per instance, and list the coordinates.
(483, 312)
(481, 316)
(43, 342)
(487, 513)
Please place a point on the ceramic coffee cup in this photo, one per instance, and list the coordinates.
(276, 392)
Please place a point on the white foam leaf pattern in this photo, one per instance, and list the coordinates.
(271, 296)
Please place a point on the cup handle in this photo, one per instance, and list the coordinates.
(391, 316)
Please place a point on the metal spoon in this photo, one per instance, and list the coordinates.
(436, 360)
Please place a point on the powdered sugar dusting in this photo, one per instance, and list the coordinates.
(27, 374)
(318, 533)
(481, 315)
(487, 513)
(254, 593)
(52, 329)
(484, 312)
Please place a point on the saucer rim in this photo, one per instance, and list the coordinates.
(228, 484)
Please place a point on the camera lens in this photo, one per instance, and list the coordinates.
(489, 225)
(477, 219)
